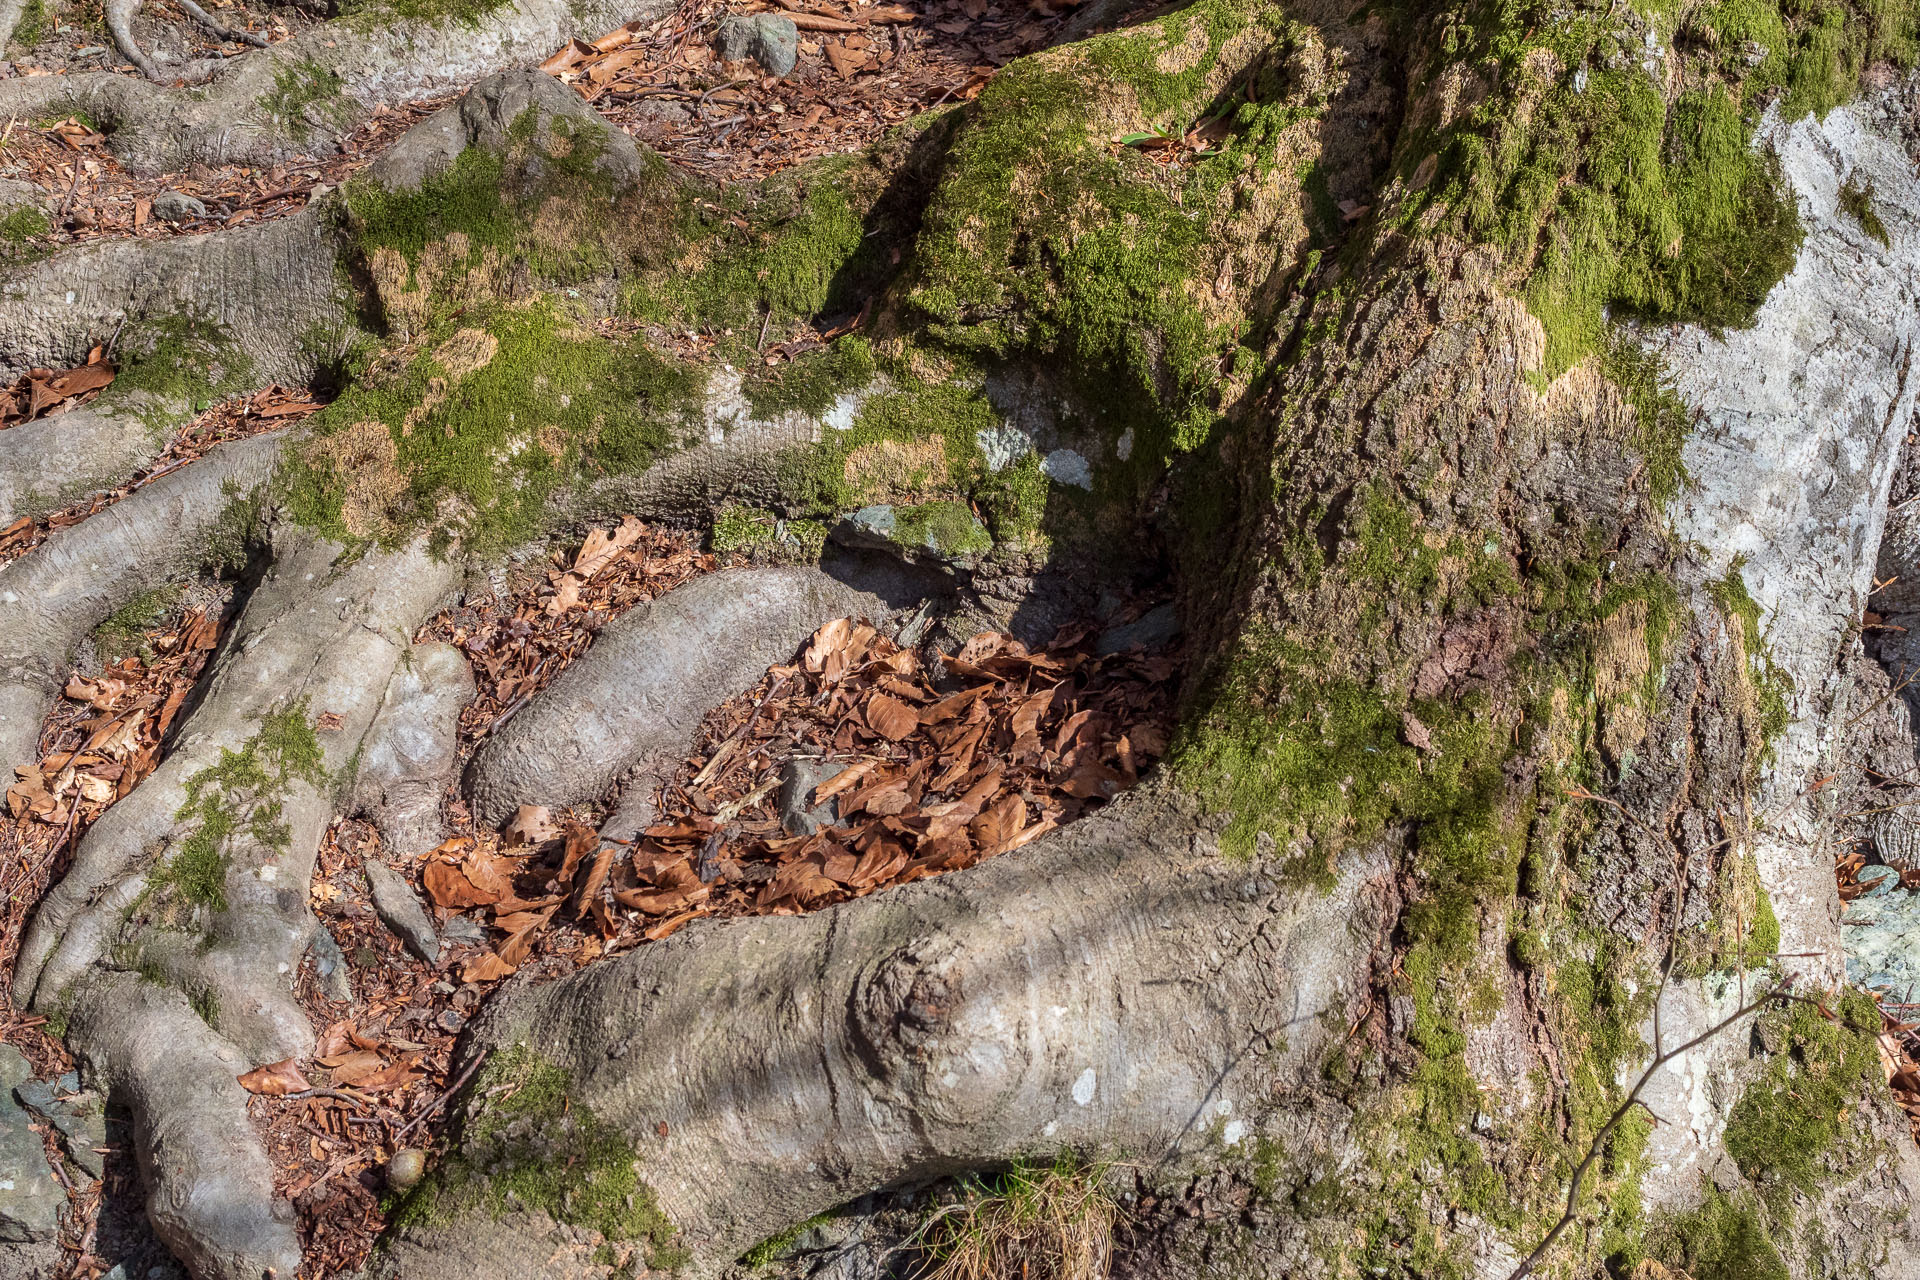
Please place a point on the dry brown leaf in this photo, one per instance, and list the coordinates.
(530, 824)
(450, 888)
(891, 718)
(275, 1079)
(485, 967)
(351, 1068)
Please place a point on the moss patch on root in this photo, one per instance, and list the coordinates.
(1793, 1120)
(469, 431)
(244, 794)
(527, 1144)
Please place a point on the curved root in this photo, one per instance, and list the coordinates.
(60, 592)
(638, 694)
(120, 24)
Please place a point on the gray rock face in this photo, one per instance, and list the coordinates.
(1154, 629)
(1882, 931)
(798, 778)
(175, 206)
(80, 1117)
(767, 38)
(30, 1199)
(331, 964)
(398, 909)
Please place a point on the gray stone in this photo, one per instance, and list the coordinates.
(394, 902)
(463, 929)
(80, 1118)
(175, 206)
(15, 1070)
(798, 778)
(330, 963)
(30, 1199)
(767, 38)
(1881, 934)
(1154, 629)
(1878, 880)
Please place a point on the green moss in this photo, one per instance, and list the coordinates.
(207, 1004)
(1724, 1239)
(32, 26)
(528, 1144)
(776, 1246)
(126, 629)
(471, 431)
(304, 94)
(373, 13)
(1770, 685)
(811, 384)
(1789, 1122)
(1013, 501)
(23, 224)
(241, 526)
(948, 528)
(186, 358)
(1856, 201)
(243, 795)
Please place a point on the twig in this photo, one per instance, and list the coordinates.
(440, 1101)
(1777, 992)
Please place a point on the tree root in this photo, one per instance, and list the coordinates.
(639, 693)
(213, 24)
(120, 24)
(412, 750)
(58, 594)
(769, 1069)
(49, 462)
(305, 94)
(316, 638)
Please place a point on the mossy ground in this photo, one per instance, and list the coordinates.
(122, 634)
(528, 1144)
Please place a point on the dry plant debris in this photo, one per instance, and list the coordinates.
(862, 69)
(235, 419)
(40, 393)
(95, 198)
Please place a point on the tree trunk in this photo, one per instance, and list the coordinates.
(1514, 400)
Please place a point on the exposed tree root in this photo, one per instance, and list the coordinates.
(120, 24)
(413, 747)
(769, 1069)
(64, 589)
(637, 696)
(302, 95)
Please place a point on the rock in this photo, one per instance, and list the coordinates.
(1154, 629)
(174, 206)
(330, 963)
(1882, 939)
(15, 1070)
(30, 1199)
(80, 1118)
(399, 910)
(405, 1168)
(941, 531)
(798, 778)
(450, 1021)
(767, 38)
(1878, 880)
(463, 929)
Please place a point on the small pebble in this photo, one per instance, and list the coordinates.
(406, 1168)
(450, 1021)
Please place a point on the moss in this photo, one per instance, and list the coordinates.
(242, 795)
(471, 430)
(1770, 685)
(126, 629)
(32, 26)
(948, 528)
(1723, 1239)
(207, 1004)
(1786, 1127)
(370, 13)
(188, 358)
(23, 224)
(813, 383)
(1856, 201)
(528, 1144)
(240, 527)
(304, 94)
(778, 1245)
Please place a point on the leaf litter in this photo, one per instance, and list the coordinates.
(927, 763)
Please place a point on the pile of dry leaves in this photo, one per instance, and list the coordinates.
(926, 770)
(270, 407)
(39, 392)
(104, 737)
(862, 69)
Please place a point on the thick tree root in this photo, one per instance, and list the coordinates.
(769, 1069)
(412, 750)
(48, 463)
(317, 638)
(209, 1184)
(120, 24)
(303, 95)
(52, 598)
(638, 694)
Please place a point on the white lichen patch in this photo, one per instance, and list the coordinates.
(1064, 466)
(1083, 1088)
(1002, 446)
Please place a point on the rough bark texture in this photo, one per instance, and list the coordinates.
(1364, 963)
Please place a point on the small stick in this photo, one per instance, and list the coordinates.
(440, 1101)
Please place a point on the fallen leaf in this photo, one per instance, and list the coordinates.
(891, 718)
(275, 1079)
(485, 967)
(530, 824)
